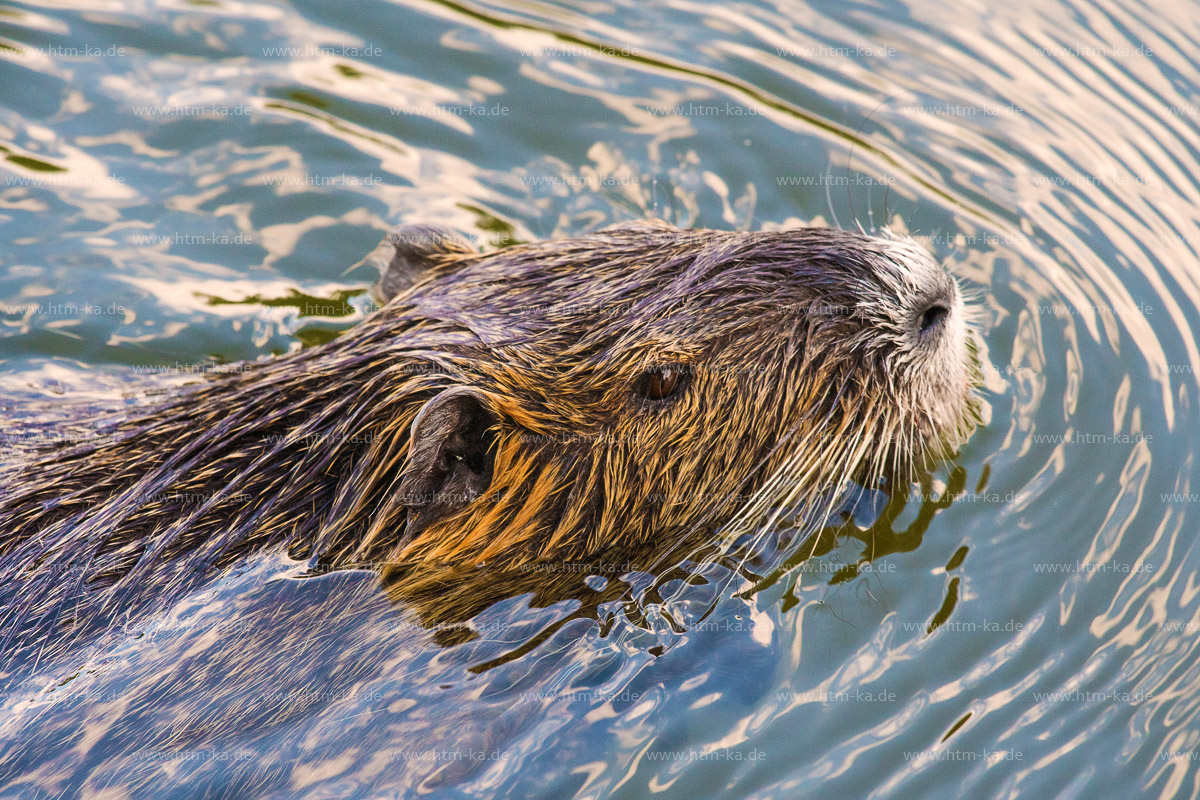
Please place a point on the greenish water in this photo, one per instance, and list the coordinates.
(191, 182)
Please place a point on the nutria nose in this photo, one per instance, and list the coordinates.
(933, 318)
(935, 310)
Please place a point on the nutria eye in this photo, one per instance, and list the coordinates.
(660, 383)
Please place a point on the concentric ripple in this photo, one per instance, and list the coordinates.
(189, 183)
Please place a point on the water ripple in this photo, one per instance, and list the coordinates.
(1026, 629)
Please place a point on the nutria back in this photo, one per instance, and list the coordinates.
(546, 401)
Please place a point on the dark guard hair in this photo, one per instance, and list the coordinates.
(546, 401)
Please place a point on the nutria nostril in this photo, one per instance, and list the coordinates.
(933, 317)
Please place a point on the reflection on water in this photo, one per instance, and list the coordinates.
(189, 184)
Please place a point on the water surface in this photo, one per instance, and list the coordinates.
(190, 183)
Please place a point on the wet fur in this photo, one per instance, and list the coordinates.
(801, 379)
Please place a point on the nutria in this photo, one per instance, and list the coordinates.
(544, 401)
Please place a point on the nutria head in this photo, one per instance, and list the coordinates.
(625, 386)
(544, 401)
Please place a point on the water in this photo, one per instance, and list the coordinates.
(190, 182)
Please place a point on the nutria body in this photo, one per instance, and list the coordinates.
(542, 402)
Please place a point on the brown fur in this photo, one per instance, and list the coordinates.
(801, 379)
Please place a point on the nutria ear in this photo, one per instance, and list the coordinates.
(407, 253)
(449, 457)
